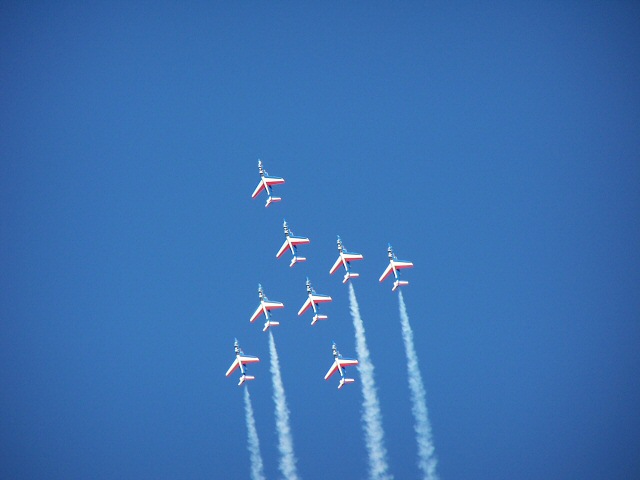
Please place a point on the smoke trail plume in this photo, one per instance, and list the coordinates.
(257, 470)
(373, 432)
(426, 451)
(285, 441)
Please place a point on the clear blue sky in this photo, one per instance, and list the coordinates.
(496, 146)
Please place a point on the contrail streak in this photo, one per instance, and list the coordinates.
(426, 451)
(285, 441)
(257, 469)
(373, 432)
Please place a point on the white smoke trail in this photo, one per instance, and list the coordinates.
(373, 432)
(426, 451)
(257, 469)
(285, 441)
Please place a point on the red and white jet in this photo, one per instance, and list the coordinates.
(240, 361)
(291, 242)
(266, 182)
(344, 259)
(312, 301)
(394, 266)
(339, 364)
(265, 306)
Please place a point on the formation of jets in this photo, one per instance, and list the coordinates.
(345, 258)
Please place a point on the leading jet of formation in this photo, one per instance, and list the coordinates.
(266, 184)
(339, 364)
(291, 242)
(265, 307)
(314, 299)
(345, 258)
(394, 266)
(240, 361)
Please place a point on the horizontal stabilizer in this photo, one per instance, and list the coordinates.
(349, 275)
(268, 324)
(399, 283)
(271, 200)
(297, 259)
(318, 317)
(345, 380)
(244, 378)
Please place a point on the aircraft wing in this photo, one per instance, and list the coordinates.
(283, 248)
(350, 257)
(332, 370)
(305, 307)
(248, 359)
(259, 311)
(298, 240)
(233, 367)
(347, 362)
(258, 189)
(242, 359)
(402, 264)
(271, 305)
(342, 362)
(319, 298)
(273, 180)
(386, 272)
(336, 266)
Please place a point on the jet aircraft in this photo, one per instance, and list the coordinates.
(292, 242)
(312, 301)
(266, 184)
(240, 361)
(394, 266)
(345, 259)
(265, 306)
(339, 364)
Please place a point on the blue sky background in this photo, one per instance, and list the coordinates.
(496, 146)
